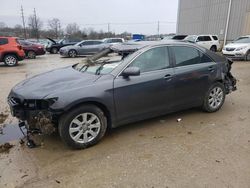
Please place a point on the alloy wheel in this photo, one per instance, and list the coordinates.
(10, 60)
(72, 53)
(215, 97)
(84, 128)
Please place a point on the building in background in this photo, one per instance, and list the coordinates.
(228, 19)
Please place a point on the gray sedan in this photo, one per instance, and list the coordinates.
(85, 47)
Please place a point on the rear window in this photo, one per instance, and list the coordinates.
(3, 41)
(215, 37)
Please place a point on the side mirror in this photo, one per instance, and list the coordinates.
(131, 71)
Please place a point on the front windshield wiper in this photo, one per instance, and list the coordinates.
(98, 70)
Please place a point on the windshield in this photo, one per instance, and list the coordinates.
(78, 44)
(101, 63)
(191, 38)
(242, 40)
(101, 68)
(61, 41)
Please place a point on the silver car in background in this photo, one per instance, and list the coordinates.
(85, 47)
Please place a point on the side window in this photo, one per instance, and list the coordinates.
(96, 42)
(215, 37)
(3, 41)
(205, 58)
(200, 38)
(188, 56)
(151, 60)
(87, 43)
(207, 38)
(117, 40)
(185, 55)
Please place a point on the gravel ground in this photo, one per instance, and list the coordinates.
(202, 150)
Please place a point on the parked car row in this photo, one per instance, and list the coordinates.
(88, 47)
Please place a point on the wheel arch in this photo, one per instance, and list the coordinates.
(9, 53)
(98, 104)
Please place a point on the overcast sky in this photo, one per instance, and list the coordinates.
(136, 16)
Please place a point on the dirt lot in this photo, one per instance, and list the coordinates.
(202, 150)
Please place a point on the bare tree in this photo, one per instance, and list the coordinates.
(35, 26)
(55, 27)
(73, 30)
(2, 25)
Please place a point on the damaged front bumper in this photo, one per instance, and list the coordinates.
(35, 114)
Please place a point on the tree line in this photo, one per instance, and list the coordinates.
(35, 29)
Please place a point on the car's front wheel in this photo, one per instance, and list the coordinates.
(214, 98)
(54, 51)
(10, 60)
(72, 53)
(83, 126)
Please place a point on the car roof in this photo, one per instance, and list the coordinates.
(142, 44)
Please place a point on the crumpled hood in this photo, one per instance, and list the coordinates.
(54, 81)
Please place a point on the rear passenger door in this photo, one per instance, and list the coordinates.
(194, 73)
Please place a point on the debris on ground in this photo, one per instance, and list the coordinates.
(57, 181)
(242, 118)
(3, 117)
(179, 119)
(25, 175)
(5, 147)
(158, 136)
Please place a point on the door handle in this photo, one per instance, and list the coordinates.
(168, 77)
(211, 69)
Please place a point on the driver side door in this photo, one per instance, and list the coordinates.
(149, 94)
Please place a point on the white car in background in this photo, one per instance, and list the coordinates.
(238, 49)
(210, 42)
(113, 40)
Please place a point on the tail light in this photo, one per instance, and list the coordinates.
(19, 47)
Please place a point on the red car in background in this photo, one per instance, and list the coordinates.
(10, 51)
(32, 49)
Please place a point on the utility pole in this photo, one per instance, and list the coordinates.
(158, 28)
(108, 27)
(35, 18)
(24, 28)
(227, 23)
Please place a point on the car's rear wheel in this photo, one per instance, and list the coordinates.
(54, 50)
(213, 48)
(214, 98)
(10, 60)
(72, 53)
(247, 57)
(83, 126)
(31, 55)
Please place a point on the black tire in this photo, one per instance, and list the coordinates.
(206, 103)
(54, 50)
(31, 55)
(213, 49)
(72, 53)
(247, 57)
(10, 60)
(67, 120)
